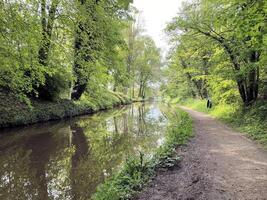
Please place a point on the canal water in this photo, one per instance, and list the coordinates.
(69, 159)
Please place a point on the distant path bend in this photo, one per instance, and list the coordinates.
(218, 164)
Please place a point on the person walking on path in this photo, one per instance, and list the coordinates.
(209, 103)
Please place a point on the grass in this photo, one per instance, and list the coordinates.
(14, 112)
(249, 120)
(137, 171)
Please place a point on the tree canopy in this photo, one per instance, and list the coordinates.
(219, 49)
(63, 49)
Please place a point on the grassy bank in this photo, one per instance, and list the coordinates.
(250, 120)
(15, 112)
(137, 171)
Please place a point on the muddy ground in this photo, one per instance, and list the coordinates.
(218, 164)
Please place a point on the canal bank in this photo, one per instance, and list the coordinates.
(91, 156)
(138, 170)
(15, 112)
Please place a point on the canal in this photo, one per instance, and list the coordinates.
(69, 159)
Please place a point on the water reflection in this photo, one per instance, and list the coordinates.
(67, 160)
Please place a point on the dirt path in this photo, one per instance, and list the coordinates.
(219, 163)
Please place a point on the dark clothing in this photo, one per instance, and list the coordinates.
(209, 103)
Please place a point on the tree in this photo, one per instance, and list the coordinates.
(94, 36)
(20, 70)
(215, 20)
(52, 50)
(147, 64)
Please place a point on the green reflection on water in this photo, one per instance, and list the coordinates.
(67, 160)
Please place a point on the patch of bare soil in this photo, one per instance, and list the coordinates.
(218, 164)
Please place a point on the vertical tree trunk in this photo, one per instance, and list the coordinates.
(140, 89)
(82, 50)
(247, 84)
(47, 23)
(133, 90)
(143, 92)
(206, 73)
(197, 84)
(79, 85)
(47, 29)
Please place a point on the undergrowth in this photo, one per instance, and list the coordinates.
(14, 112)
(137, 171)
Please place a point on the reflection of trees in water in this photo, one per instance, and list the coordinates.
(14, 174)
(50, 157)
(84, 175)
(69, 161)
(40, 145)
(115, 125)
(90, 167)
(27, 164)
(145, 124)
(141, 121)
(125, 123)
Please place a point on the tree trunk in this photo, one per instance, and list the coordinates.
(133, 90)
(247, 84)
(47, 29)
(253, 79)
(81, 54)
(77, 92)
(79, 86)
(44, 50)
(197, 84)
(143, 92)
(140, 89)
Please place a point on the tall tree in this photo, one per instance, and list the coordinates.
(93, 37)
(215, 20)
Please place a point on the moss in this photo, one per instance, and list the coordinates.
(14, 112)
(137, 171)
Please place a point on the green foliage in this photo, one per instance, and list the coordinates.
(137, 171)
(37, 49)
(98, 42)
(14, 112)
(19, 38)
(143, 60)
(214, 59)
(226, 63)
(147, 64)
(58, 49)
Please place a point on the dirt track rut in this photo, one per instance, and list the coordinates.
(218, 164)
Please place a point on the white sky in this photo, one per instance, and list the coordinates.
(156, 13)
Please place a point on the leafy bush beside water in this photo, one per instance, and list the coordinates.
(137, 171)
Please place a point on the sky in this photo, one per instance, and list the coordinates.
(156, 13)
